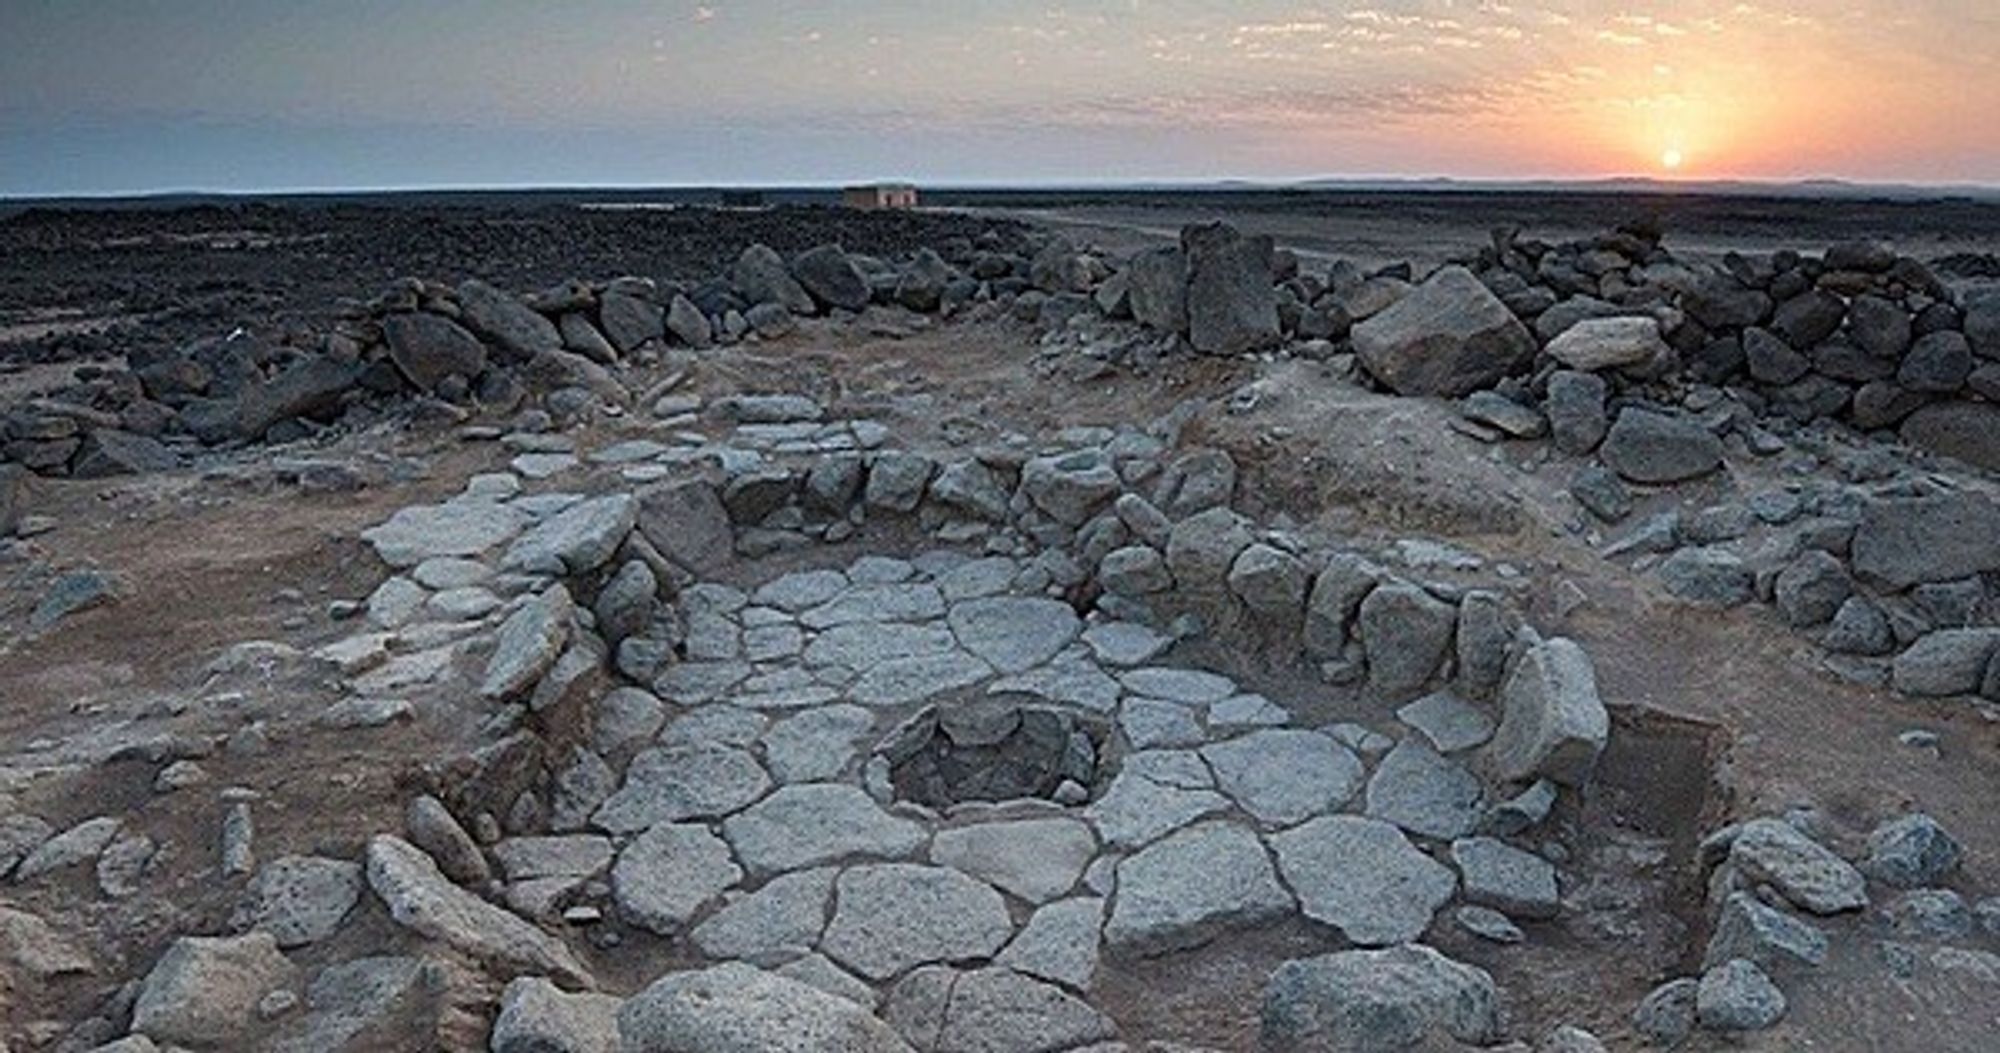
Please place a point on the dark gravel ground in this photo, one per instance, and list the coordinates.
(114, 278)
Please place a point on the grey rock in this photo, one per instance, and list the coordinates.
(1449, 337)
(1859, 627)
(529, 642)
(370, 1005)
(1449, 722)
(1363, 877)
(1609, 343)
(1284, 776)
(1378, 1001)
(420, 898)
(1575, 409)
(1767, 936)
(1071, 487)
(1498, 875)
(737, 1008)
(301, 899)
(678, 783)
(460, 528)
(204, 991)
(1774, 852)
(1946, 662)
(1911, 851)
(1488, 924)
(896, 481)
(1964, 431)
(688, 324)
(1771, 360)
(629, 321)
(830, 276)
(971, 488)
(993, 1010)
(1666, 1016)
(1059, 943)
(1943, 537)
(1812, 590)
(1710, 576)
(1196, 481)
(890, 917)
(427, 348)
(505, 321)
(1014, 633)
(1182, 891)
(80, 843)
(1602, 494)
(577, 540)
(761, 276)
(1929, 914)
(1938, 363)
(664, 878)
(1405, 633)
(1231, 305)
(31, 945)
(581, 335)
(1879, 326)
(1203, 548)
(432, 828)
(1136, 810)
(1424, 793)
(1036, 860)
(814, 823)
(538, 1017)
(1648, 447)
(788, 911)
(1135, 570)
(1158, 280)
(1737, 996)
(1553, 723)
(1271, 582)
(1809, 318)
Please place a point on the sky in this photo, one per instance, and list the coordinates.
(116, 96)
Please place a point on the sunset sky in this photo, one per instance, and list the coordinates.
(104, 96)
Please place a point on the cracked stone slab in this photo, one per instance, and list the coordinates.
(817, 744)
(1363, 877)
(891, 917)
(1424, 793)
(1190, 887)
(1059, 943)
(664, 878)
(1192, 687)
(1449, 722)
(900, 602)
(1034, 859)
(1014, 633)
(1136, 810)
(673, 784)
(1284, 776)
(911, 680)
(810, 824)
(788, 912)
(463, 528)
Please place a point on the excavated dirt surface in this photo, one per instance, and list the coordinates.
(1717, 715)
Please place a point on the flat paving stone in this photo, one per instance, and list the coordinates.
(860, 646)
(1060, 943)
(1284, 776)
(1449, 722)
(665, 877)
(1136, 810)
(1363, 877)
(1072, 680)
(816, 745)
(891, 917)
(1190, 887)
(788, 912)
(904, 602)
(810, 824)
(1149, 723)
(1190, 686)
(462, 528)
(908, 681)
(672, 784)
(1034, 859)
(1424, 793)
(1014, 633)
(1498, 875)
(1126, 643)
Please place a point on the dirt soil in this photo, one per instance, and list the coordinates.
(1718, 715)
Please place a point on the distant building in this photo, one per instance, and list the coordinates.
(880, 196)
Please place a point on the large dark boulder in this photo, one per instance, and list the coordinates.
(1903, 541)
(629, 321)
(13, 497)
(1158, 279)
(1809, 318)
(107, 452)
(1967, 431)
(505, 321)
(1449, 337)
(427, 348)
(831, 278)
(761, 276)
(1232, 304)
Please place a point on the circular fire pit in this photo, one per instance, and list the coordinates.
(994, 749)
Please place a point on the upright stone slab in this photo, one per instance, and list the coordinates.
(1232, 306)
(1553, 723)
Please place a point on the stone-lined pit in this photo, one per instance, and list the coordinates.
(992, 750)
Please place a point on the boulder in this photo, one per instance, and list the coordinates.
(629, 321)
(107, 452)
(204, 991)
(423, 900)
(688, 324)
(1231, 304)
(13, 498)
(1405, 633)
(831, 278)
(1937, 364)
(1158, 279)
(1912, 851)
(1946, 662)
(1773, 852)
(1965, 431)
(1808, 318)
(1648, 447)
(1575, 409)
(538, 1017)
(737, 1008)
(1982, 322)
(1364, 1001)
(427, 348)
(506, 322)
(1553, 723)
(921, 285)
(1449, 337)
(760, 276)
(1609, 343)
(1904, 541)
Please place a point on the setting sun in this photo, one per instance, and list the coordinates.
(1671, 160)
